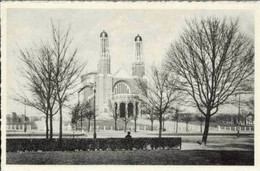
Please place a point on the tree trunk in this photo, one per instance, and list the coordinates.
(187, 124)
(177, 126)
(163, 124)
(206, 129)
(47, 126)
(60, 133)
(51, 126)
(115, 125)
(201, 126)
(135, 125)
(125, 125)
(81, 121)
(88, 125)
(151, 125)
(125, 122)
(160, 126)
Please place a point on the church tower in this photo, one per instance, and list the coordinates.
(103, 79)
(138, 68)
(104, 60)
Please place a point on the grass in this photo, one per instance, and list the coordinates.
(220, 139)
(157, 157)
(233, 143)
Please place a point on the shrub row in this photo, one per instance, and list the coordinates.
(14, 145)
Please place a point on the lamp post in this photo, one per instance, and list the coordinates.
(25, 120)
(94, 112)
(238, 115)
(238, 108)
(80, 110)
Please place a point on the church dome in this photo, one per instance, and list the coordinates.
(138, 38)
(103, 34)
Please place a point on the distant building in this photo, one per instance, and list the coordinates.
(250, 119)
(18, 122)
(117, 90)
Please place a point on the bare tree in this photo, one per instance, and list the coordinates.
(186, 117)
(75, 116)
(114, 112)
(244, 98)
(157, 93)
(176, 117)
(126, 120)
(87, 112)
(37, 69)
(164, 119)
(127, 117)
(51, 72)
(250, 103)
(148, 111)
(151, 117)
(134, 100)
(248, 88)
(242, 117)
(67, 68)
(200, 118)
(211, 58)
(89, 116)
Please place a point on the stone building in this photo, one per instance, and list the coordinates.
(114, 92)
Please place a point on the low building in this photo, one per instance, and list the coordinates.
(19, 123)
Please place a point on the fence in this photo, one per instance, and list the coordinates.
(131, 128)
(234, 128)
(18, 127)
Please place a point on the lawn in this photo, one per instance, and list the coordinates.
(156, 157)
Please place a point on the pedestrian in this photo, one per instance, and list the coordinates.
(128, 135)
(128, 141)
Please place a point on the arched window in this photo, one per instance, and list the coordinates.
(121, 88)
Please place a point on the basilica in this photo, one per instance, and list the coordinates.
(114, 93)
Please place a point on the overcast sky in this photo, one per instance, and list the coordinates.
(157, 27)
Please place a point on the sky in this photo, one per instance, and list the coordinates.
(158, 28)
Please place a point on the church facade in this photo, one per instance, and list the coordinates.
(114, 92)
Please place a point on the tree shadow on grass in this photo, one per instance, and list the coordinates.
(249, 147)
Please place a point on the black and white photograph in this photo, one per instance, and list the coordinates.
(137, 84)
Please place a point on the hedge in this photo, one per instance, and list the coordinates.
(15, 145)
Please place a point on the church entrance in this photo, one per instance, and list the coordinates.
(130, 109)
(126, 109)
(122, 110)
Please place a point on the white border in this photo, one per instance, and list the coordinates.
(254, 6)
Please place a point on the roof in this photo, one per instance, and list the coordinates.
(103, 34)
(122, 73)
(138, 38)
